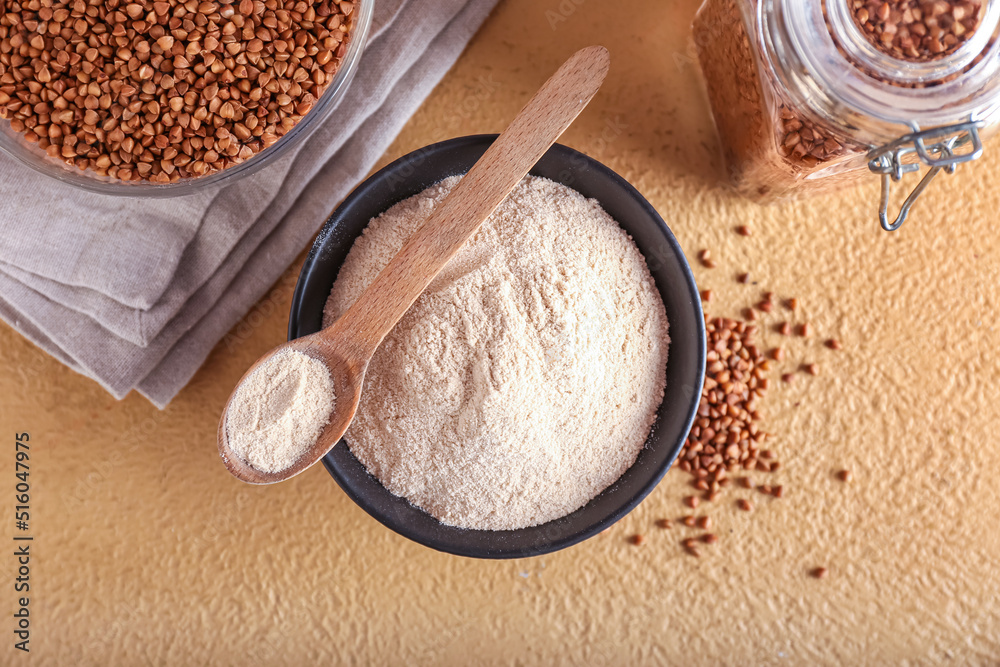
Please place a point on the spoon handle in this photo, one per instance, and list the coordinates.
(556, 104)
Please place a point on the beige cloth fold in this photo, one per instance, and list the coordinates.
(135, 293)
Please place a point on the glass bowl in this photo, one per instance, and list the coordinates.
(14, 144)
(671, 272)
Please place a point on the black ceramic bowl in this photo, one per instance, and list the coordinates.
(685, 365)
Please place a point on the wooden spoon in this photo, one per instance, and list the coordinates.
(347, 346)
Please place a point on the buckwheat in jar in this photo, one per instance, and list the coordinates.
(813, 95)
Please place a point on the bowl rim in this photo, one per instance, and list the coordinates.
(408, 165)
(301, 131)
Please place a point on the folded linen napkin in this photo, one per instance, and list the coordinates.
(135, 293)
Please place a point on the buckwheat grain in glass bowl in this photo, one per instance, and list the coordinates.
(160, 98)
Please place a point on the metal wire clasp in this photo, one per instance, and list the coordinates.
(889, 161)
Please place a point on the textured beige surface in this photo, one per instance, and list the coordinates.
(148, 552)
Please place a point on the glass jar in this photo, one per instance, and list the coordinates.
(809, 97)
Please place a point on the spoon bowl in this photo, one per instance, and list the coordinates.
(348, 376)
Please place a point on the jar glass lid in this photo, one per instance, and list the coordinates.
(882, 88)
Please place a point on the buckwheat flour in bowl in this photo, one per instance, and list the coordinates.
(527, 377)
